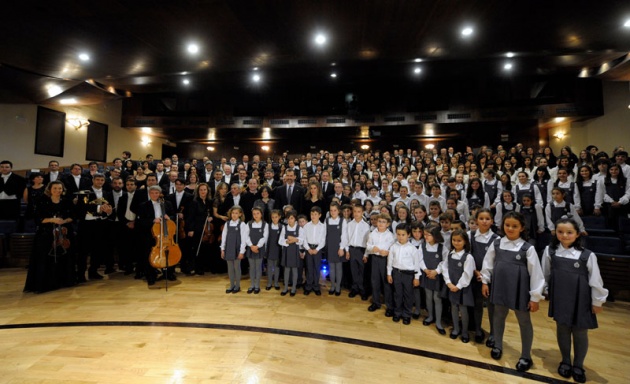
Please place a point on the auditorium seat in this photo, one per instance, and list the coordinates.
(596, 226)
(603, 244)
(615, 270)
(624, 233)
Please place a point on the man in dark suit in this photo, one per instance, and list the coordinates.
(124, 228)
(228, 176)
(53, 173)
(142, 195)
(290, 193)
(207, 174)
(150, 212)
(180, 200)
(11, 191)
(270, 181)
(328, 187)
(161, 174)
(93, 211)
(248, 197)
(338, 193)
(214, 183)
(75, 181)
(246, 164)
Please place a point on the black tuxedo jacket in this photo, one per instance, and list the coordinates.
(344, 199)
(121, 208)
(15, 185)
(297, 197)
(71, 187)
(330, 189)
(84, 205)
(184, 203)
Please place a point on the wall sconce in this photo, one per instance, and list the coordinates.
(365, 147)
(265, 148)
(77, 122)
(145, 141)
(429, 146)
(559, 135)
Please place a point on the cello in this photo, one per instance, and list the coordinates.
(166, 252)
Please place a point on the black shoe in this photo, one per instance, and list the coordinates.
(284, 293)
(276, 287)
(479, 336)
(150, 282)
(416, 316)
(454, 335)
(268, 288)
(396, 319)
(95, 276)
(373, 307)
(406, 320)
(307, 292)
(490, 342)
(229, 290)
(524, 365)
(250, 290)
(579, 375)
(292, 294)
(256, 291)
(352, 294)
(331, 292)
(236, 290)
(465, 339)
(496, 353)
(441, 331)
(389, 313)
(318, 292)
(364, 297)
(564, 370)
(426, 322)
(337, 293)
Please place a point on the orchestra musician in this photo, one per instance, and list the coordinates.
(124, 229)
(199, 215)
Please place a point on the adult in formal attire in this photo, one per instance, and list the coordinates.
(314, 198)
(51, 266)
(75, 182)
(119, 165)
(140, 177)
(117, 191)
(180, 200)
(93, 210)
(208, 172)
(192, 183)
(214, 183)
(124, 229)
(228, 176)
(151, 212)
(92, 170)
(248, 198)
(161, 174)
(11, 191)
(33, 193)
(338, 194)
(53, 172)
(290, 193)
(199, 215)
(171, 186)
(270, 180)
(234, 197)
(142, 194)
(265, 202)
(220, 207)
(247, 166)
(328, 187)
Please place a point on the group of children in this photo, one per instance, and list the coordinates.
(471, 269)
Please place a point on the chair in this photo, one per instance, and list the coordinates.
(603, 244)
(596, 226)
(8, 227)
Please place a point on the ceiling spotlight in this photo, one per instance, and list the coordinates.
(210, 148)
(68, 101)
(255, 68)
(429, 146)
(417, 70)
(53, 90)
(84, 57)
(320, 39)
(507, 66)
(256, 78)
(418, 60)
(627, 23)
(558, 119)
(193, 48)
(509, 54)
(333, 75)
(265, 148)
(333, 64)
(365, 147)
(186, 81)
(467, 31)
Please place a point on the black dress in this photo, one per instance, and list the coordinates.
(51, 267)
(34, 196)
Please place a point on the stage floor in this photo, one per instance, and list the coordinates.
(118, 331)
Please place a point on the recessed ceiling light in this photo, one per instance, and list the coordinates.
(256, 78)
(53, 90)
(627, 23)
(333, 75)
(418, 60)
(467, 31)
(558, 119)
(186, 81)
(320, 39)
(193, 48)
(147, 130)
(84, 57)
(417, 70)
(255, 68)
(333, 64)
(508, 66)
(509, 54)
(68, 101)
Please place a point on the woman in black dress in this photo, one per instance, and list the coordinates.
(199, 215)
(52, 265)
(220, 207)
(33, 194)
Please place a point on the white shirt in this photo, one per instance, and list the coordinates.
(566, 186)
(598, 292)
(498, 217)
(357, 234)
(375, 199)
(432, 248)
(404, 257)
(536, 277)
(314, 234)
(54, 176)
(3, 195)
(528, 187)
(283, 242)
(572, 211)
(359, 195)
(237, 199)
(383, 240)
(244, 232)
(602, 197)
(467, 274)
(263, 240)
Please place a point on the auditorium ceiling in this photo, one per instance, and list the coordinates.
(298, 57)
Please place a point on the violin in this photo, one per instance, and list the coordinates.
(60, 237)
(208, 231)
(181, 234)
(166, 252)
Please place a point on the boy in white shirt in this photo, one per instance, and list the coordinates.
(379, 242)
(403, 270)
(314, 242)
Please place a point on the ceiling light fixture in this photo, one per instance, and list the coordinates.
(508, 66)
(509, 55)
(418, 60)
(320, 39)
(185, 81)
(429, 146)
(265, 148)
(146, 141)
(69, 101)
(192, 48)
(365, 147)
(559, 135)
(255, 68)
(147, 130)
(417, 70)
(627, 23)
(84, 57)
(256, 78)
(467, 31)
(77, 122)
(53, 90)
(210, 148)
(558, 119)
(333, 75)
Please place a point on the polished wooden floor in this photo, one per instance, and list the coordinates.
(118, 331)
